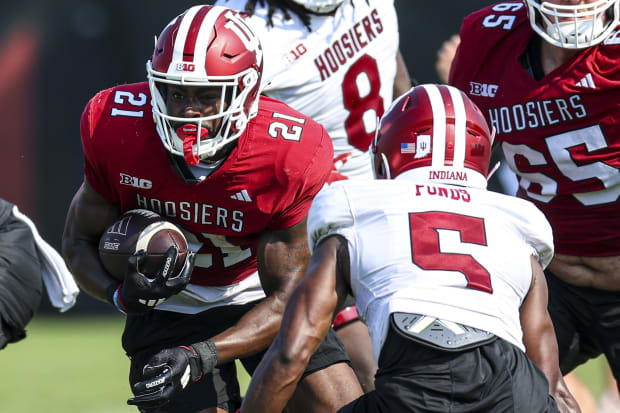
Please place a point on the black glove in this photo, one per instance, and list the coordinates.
(140, 292)
(170, 371)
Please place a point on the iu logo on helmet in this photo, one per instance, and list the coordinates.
(423, 146)
(241, 29)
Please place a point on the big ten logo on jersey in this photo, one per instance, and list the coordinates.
(245, 33)
(135, 182)
(295, 53)
(482, 89)
(456, 194)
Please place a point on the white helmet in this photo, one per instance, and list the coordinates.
(319, 6)
(574, 26)
(206, 46)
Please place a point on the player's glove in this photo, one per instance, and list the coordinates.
(170, 371)
(139, 292)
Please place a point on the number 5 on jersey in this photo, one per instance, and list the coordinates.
(426, 250)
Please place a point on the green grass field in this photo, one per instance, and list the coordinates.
(68, 364)
(76, 364)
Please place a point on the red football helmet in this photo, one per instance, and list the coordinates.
(206, 46)
(435, 133)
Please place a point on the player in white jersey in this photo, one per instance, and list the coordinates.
(448, 275)
(339, 63)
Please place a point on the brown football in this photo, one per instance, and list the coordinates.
(141, 229)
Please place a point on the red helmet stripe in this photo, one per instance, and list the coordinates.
(192, 34)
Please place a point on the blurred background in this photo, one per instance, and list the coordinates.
(54, 56)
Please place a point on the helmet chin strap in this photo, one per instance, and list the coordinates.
(189, 134)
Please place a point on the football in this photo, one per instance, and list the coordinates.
(141, 229)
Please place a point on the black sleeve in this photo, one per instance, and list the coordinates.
(20, 276)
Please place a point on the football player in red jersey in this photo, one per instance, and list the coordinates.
(237, 172)
(448, 275)
(555, 105)
(337, 61)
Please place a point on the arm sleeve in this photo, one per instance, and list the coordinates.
(538, 233)
(307, 183)
(330, 214)
(90, 130)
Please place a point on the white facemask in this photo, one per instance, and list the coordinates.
(574, 26)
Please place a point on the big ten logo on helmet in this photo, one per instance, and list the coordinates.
(483, 89)
(186, 67)
(135, 182)
(245, 33)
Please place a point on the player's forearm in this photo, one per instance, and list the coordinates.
(88, 216)
(282, 260)
(543, 352)
(253, 333)
(273, 383)
(542, 349)
(82, 259)
(280, 370)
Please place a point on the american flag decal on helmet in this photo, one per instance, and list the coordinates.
(407, 147)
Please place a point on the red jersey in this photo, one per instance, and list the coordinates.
(267, 182)
(560, 135)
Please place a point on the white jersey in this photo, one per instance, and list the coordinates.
(455, 253)
(341, 74)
